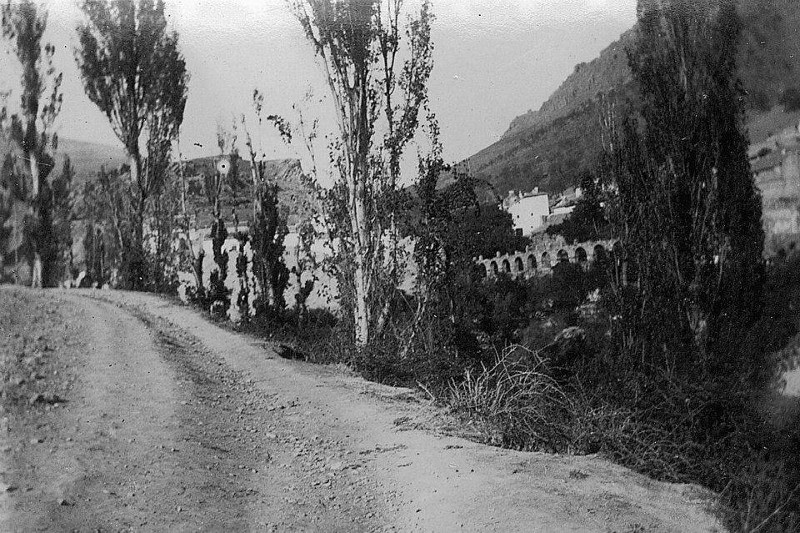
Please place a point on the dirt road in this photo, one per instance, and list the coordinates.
(128, 412)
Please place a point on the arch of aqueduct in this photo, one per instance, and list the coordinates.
(541, 257)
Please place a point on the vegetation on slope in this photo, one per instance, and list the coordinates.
(550, 148)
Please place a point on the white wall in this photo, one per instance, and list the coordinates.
(529, 213)
(325, 292)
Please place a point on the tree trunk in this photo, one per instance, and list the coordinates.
(362, 273)
(36, 270)
(362, 307)
(136, 270)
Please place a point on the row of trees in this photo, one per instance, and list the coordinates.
(685, 205)
(688, 355)
(132, 69)
(686, 209)
(673, 185)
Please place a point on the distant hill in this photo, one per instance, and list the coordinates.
(550, 147)
(89, 158)
(86, 157)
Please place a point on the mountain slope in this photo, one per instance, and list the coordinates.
(87, 158)
(550, 147)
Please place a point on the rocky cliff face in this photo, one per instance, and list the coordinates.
(603, 74)
(237, 194)
(551, 147)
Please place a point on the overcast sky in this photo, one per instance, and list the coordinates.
(493, 60)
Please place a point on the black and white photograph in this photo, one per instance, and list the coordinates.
(400, 266)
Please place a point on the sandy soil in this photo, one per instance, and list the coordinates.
(126, 411)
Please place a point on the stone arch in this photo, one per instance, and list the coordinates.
(562, 256)
(600, 253)
(546, 260)
(506, 266)
(519, 264)
(494, 267)
(483, 272)
(580, 255)
(532, 262)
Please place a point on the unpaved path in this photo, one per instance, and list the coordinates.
(173, 423)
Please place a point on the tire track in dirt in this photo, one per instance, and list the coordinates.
(159, 434)
(402, 466)
(114, 459)
(177, 424)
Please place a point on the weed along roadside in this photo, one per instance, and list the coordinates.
(321, 313)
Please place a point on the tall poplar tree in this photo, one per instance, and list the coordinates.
(23, 25)
(689, 212)
(360, 44)
(134, 72)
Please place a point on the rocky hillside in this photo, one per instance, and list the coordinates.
(87, 158)
(602, 75)
(237, 195)
(550, 147)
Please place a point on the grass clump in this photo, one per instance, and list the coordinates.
(516, 399)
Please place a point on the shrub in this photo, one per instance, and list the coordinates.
(517, 400)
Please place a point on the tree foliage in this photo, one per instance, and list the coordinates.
(133, 71)
(588, 221)
(790, 99)
(104, 209)
(359, 43)
(30, 130)
(689, 352)
(268, 228)
(63, 213)
(688, 211)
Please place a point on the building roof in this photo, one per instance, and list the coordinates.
(556, 218)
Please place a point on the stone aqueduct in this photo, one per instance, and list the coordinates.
(541, 257)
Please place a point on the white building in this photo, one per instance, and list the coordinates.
(529, 211)
(775, 162)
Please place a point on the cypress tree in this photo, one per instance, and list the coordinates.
(689, 214)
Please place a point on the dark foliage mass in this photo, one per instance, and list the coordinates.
(688, 213)
(589, 220)
(790, 100)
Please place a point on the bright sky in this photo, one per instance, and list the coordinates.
(493, 60)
